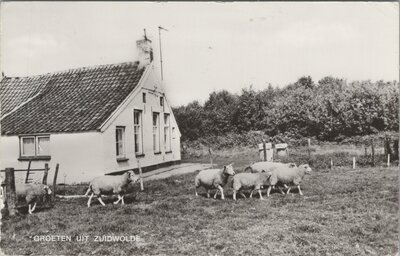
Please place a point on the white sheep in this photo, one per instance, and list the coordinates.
(255, 181)
(32, 193)
(289, 176)
(214, 178)
(108, 184)
(267, 166)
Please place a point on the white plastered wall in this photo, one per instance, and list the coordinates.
(80, 156)
(153, 89)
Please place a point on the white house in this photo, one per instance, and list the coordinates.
(92, 120)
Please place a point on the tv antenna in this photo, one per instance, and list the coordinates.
(159, 37)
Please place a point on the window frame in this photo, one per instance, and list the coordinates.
(35, 155)
(167, 133)
(37, 144)
(156, 135)
(140, 144)
(123, 155)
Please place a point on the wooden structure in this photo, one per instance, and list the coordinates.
(10, 197)
(266, 151)
(282, 149)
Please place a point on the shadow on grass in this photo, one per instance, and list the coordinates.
(128, 199)
(39, 208)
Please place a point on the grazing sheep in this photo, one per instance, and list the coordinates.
(267, 166)
(214, 178)
(108, 184)
(250, 180)
(289, 176)
(32, 193)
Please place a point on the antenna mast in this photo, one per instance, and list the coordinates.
(159, 37)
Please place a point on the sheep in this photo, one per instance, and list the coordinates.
(31, 193)
(267, 166)
(289, 176)
(213, 178)
(111, 185)
(250, 180)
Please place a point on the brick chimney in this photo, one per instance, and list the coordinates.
(145, 51)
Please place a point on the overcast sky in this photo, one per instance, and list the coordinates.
(209, 46)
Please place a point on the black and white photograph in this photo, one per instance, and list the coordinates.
(199, 128)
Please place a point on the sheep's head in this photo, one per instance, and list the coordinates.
(306, 168)
(228, 169)
(47, 189)
(266, 175)
(133, 177)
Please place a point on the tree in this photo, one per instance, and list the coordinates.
(218, 113)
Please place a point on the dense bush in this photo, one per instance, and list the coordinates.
(331, 110)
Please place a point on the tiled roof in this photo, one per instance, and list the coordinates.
(74, 100)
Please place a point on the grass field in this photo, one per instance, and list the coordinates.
(343, 212)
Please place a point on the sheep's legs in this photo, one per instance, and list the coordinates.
(234, 194)
(195, 191)
(34, 207)
(30, 210)
(222, 192)
(280, 190)
(259, 192)
(269, 190)
(216, 193)
(241, 193)
(122, 198)
(298, 187)
(87, 192)
(208, 193)
(119, 199)
(90, 199)
(100, 200)
(251, 194)
(287, 192)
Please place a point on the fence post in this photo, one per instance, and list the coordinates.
(140, 173)
(27, 172)
(46, 171)
(309, 151)
(211, 159)
(354, 163)
(264, 151)
(373, 152)
(385, 146)
(331, 163)
(388, 160)
(11, 197)
(395, 150)
(55, 181)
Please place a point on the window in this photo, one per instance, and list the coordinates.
(43, 145)
(161, 101)
(137, 124)
(120, 142)
(144, 97)
(35, 146)
(28, 146)
(156, 132)
(167, 135)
